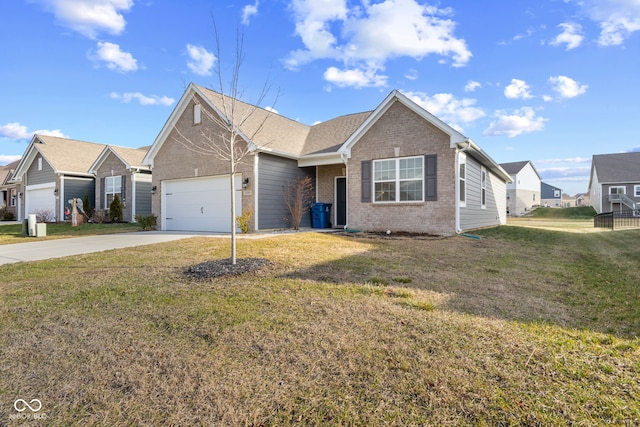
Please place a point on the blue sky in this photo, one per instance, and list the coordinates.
(552, 81)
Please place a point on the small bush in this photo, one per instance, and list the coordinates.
(45, 215)
(148, 222)
(6, 215)
(86, 205)
(115, 209)
(244, 220)
(378, 281)
(100, 216)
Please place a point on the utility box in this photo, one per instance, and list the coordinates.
(31, 225)
(41, 229)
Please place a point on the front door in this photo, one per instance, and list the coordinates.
(341, 201)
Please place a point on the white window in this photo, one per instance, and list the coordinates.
(617, 190)
(636, 191)
(462, 178)
(556, 193)
(197, 114)
(112, 186)
(13, 197)
(483, 188)
(39, 163)
(399, 180)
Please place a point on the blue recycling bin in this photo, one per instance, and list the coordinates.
(320, 215)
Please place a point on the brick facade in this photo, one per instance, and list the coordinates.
(176, 160)
(412, 135)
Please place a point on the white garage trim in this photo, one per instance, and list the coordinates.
(40, 197)
(199, 204)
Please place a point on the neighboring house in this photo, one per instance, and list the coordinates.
(583, 199)
(120, 171)
(550, 196)
(10, 192)
(523, 193)
(614, 184)
(568, 201)
(52, 171)
(396, 168)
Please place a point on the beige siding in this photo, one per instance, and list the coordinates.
(401, 127)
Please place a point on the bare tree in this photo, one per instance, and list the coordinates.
(298, 196)
(231, 136)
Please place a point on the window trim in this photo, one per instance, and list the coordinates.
(636, 191)
(462, 189)
(556, 194)
(13, 196)
(624, 189)
(397, 180)
(483, 187)
(197, 114)
(39, 163)
(106, 186)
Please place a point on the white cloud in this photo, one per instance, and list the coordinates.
(412, 74)
(520, 121)
(364, 37)
(248, 11)
(571, 36)
(5, 159)
(618, 19)
(566, 160)
(90, 17)
(563, 173)
(448, 108)
(471, 86)
(17, 132)
(142, 99)
(200, 60)
(357, 78)
(114, 58)
(518, 89)
(567, 87)
(273, 110)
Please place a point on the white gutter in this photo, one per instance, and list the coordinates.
(457, 183)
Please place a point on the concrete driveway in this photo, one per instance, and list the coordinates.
(47, 249)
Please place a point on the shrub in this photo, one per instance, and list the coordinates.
(99, 216)
(45, 215)
(244, 220)
(115, 209)
(299, 195)
(86, 204)
(148, 222)
(6, 215)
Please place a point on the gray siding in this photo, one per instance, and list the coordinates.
(76, 188)
(473, 215)
(274, 173)
(143, 198)
(34, 176)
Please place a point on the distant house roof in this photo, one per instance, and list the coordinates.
(132, 158)
(514, 168)
(64, 155)
(620, 167)
(6, 172)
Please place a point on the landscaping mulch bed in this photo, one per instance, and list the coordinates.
(223, 267)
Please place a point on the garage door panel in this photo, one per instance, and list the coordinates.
(40, 199)
(201, 204)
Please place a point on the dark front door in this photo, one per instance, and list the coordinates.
(341, 201)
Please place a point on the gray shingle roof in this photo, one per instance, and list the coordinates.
(132, 156)
(327, 137)
(6, 172)
(514, 167)
(621, 167)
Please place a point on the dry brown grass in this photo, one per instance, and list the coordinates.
(339, 330)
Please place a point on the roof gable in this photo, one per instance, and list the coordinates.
(619, 167)
(131, 158)
(515, 168)
(64, 155)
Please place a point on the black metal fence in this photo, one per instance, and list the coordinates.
(617, 220)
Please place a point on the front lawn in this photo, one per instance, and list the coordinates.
(13, 233)
(520, 327)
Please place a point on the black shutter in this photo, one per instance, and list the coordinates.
(102, 195)
(431, 177)
(123, 188)
(365, 177)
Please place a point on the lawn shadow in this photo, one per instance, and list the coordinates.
(487, 277)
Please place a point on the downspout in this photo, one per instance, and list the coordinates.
(457, 183)
(344, 157)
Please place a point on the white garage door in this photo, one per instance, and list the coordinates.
(199, 204)
(41, 199)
